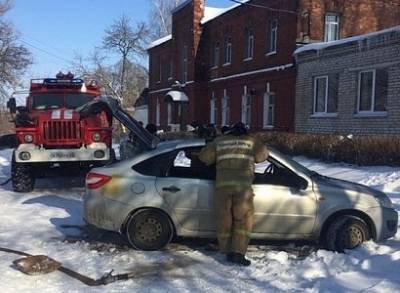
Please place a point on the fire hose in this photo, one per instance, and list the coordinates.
(37, 262)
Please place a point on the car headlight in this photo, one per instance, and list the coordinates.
(384, 201)
(28, 138)
(96, 136)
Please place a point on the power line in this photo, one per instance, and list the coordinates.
(47, 52)
(264, 7)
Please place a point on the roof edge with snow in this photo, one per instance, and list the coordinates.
(159, 42)
(180, 6)
(346, 41)
(216, 12)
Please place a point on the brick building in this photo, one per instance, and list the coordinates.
(350, 86)
(236, 64)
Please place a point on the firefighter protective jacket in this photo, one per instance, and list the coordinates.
(235, 158)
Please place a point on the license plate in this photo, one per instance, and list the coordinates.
(62, 155)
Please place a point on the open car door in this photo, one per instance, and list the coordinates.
(113, 109)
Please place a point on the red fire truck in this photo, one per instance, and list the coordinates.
(51, 133)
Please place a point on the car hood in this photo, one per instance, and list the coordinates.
(346, 191)
(113, 109)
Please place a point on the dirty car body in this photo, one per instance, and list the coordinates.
(167, 191)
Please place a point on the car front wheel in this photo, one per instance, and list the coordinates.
(149, 230)
(346, 232)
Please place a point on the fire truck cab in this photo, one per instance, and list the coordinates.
(52, 134)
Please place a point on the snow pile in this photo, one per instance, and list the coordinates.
(44, 221)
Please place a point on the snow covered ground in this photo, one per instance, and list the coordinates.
(38, 223)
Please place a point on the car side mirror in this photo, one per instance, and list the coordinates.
(302, 183)
(12, 105)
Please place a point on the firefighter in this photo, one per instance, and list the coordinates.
(235, 154)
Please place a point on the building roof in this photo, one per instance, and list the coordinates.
(159, 41)
(325, 45)
(210, 13)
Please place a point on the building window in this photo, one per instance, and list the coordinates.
(228, 51)
(158, 69)
(272, 36)
(249, 44)
(331, 27)
(326, 94)
(158, 113)
(372, 90)
(269, 110)
(169, 113)
(184, 64)
(169, 72)
(225, 110)
(213, 109)
(216, 54)
(246, 107)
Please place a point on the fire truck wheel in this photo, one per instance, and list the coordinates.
(22, 177)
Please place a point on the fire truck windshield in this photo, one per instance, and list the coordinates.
(46, 101)
(73, 101)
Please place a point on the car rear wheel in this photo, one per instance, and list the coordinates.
(347, 232)
(149, 230)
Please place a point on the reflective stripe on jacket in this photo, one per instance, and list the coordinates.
(235, 158)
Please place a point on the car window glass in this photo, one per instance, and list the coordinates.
(155, 166)
(186, 164)
(272, 172)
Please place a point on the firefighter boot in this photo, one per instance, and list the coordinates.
(238, 258)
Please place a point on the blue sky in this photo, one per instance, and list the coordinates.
(54, 31)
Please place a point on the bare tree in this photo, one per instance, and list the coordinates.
(14, 58)
(127, 41)
(109, 76)
(160, 19)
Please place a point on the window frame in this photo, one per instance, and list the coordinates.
(216, 54)
(325, 112)
(266, 107)
(158, 110)
(225, 109)
(372, 108)
(249, 44)
(169, 114)
(246, 107)
(213, 109)
(272, 35)
(329, 25)
(227, 51)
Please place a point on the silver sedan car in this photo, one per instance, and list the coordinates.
(167, 191)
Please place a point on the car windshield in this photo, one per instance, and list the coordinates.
(47, 101)
(73, 101)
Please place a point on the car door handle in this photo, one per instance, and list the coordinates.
(172, 189)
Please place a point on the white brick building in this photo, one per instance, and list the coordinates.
(350, 86)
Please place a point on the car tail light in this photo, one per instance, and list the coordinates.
(95, 180)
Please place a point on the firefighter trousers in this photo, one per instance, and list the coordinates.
(234, 218)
